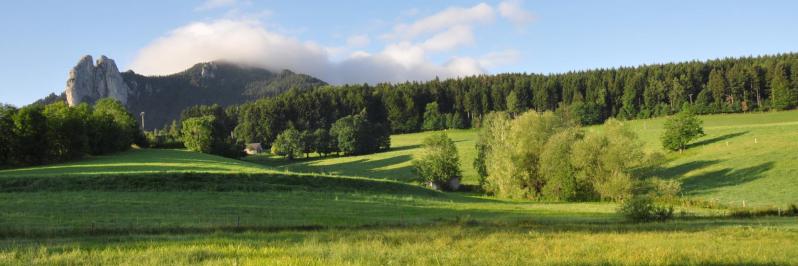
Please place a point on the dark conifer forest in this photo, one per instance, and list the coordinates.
(729, 85)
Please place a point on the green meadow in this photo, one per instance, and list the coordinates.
(148, 206)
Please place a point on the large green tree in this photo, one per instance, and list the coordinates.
(438, 163)
(781, 96)
(433, 120)
(288, 144)
(681, 129)
(558, 172)
(513, 161)
(198, 133)
(67, 130)
(8, 138)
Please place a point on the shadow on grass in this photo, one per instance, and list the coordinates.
(360, 166)
(716, 139)
(409, 218)
(677, 171)
(372, 168)
(710, 181)
(108, 169)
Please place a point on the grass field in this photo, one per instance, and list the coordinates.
(394, 164)
(768, 241)
(743, 157)
(145, 207)
(143, 161)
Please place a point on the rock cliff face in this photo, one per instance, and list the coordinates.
(89, 82)
(162, 98)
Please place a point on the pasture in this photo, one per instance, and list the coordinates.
(144, 207)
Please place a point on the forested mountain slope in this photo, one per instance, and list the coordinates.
(162, 98)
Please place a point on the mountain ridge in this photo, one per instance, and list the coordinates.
(162, 98)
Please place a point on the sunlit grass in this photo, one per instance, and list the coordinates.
(744, 242)
(141, 161)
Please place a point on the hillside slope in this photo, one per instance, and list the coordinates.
(747, 158)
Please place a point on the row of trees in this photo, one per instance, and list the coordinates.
(543, 156)
(352, 135)
(587, 97)
(207, 129)
(590, 97)
(38, 134)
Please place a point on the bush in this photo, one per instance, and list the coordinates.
(666, 190)
(438, 163)
(643, 209)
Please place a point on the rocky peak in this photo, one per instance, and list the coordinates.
(89, 82)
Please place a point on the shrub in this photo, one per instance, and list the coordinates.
(666, 190)
(643, 209)
(438, 163)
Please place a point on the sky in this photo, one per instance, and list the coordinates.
(378, 41)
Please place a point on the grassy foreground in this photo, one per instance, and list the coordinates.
(746, 242)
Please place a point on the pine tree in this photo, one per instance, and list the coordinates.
(781, 95)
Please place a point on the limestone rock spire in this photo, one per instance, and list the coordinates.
(89, 82)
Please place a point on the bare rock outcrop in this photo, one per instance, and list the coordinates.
(89, 82)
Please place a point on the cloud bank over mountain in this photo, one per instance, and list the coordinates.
(405, 55)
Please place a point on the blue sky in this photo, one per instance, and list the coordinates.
(369, 41)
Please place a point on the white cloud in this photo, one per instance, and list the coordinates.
(249, 43)
(453, 16)
(214, 4)
(358, 40)
(513, 11)
(244, 39)
(449, 39)
(500, 58)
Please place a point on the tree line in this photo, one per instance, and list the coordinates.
(38, 134)
(589, 97)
